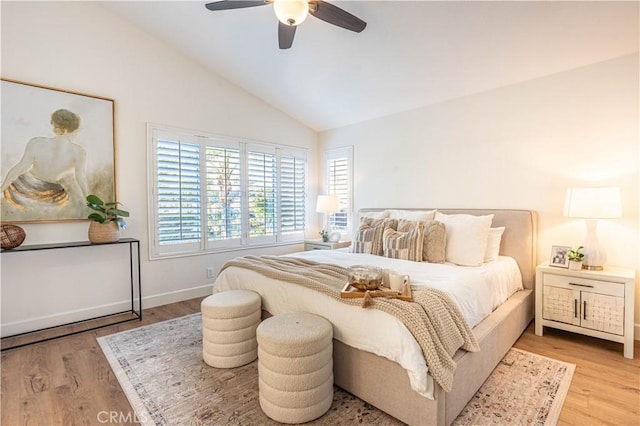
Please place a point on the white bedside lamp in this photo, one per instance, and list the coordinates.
(327, 204)
(592, 204)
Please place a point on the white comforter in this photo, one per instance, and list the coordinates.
(477, 291)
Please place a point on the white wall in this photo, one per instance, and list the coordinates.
(82, 47)
(519, 146)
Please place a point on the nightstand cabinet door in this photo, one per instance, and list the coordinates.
(561, 304)
(603, 313)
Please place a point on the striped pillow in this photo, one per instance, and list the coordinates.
(368, 237)
(435, 239)
(404, 245)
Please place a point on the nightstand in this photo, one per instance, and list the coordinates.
(594, 303)
(320, 245)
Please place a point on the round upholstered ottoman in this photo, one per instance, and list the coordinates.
(295, 367)
(229, 322)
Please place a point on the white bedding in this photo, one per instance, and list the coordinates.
(477, 291)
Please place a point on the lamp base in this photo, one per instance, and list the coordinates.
(592, 268)
(594, 254)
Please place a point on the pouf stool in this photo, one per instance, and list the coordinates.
(229, 322)
(295, 367)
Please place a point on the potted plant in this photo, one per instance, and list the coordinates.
(575, 259)
(106, 220)
(325, 235)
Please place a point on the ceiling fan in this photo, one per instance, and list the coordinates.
(291, 13)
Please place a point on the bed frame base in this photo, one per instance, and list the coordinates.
(385, 385)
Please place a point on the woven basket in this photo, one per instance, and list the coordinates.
(12, 236)
(100, 233)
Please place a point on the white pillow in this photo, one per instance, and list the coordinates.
(414, 215)
(373, 215)
(466, 237)
(492, 251)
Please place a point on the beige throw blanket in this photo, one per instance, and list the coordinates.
(433, 318)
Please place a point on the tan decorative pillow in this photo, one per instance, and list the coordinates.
(435, 239)
(404, 245)
(368, 237)
(435, 242)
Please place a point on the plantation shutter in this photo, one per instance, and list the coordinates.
(262, 194)
(224, 194)
(293, 167)
(177, 193)
(339, 184)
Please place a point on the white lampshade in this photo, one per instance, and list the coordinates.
(593, 204)
(327, 204)
(291, 12)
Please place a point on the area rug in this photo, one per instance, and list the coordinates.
(160, 369)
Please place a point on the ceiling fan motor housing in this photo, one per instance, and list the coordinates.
(291, 12)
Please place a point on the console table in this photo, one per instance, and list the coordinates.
(135, 311)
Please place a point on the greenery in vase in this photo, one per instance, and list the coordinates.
(324, 234)
(575, 255)
(106, 212)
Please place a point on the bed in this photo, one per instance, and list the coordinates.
(360, 367)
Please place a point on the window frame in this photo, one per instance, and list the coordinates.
(337, 154)
(205, 245)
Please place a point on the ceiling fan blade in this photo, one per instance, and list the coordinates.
(336, 16)
(285, 35)
(235, 4)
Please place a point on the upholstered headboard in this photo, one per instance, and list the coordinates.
(518, 241)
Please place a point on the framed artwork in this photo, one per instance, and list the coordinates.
(56, 148)
(559, 256)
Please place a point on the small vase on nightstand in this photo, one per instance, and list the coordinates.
(575, 259)
(575, 265)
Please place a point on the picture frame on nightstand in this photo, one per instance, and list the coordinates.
(559, 256)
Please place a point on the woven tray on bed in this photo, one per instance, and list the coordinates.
(351, 292)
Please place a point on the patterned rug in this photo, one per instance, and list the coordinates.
(161, 371)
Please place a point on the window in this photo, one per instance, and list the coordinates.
(339, 173)
(215, 193)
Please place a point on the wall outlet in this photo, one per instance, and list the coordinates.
(211, 273)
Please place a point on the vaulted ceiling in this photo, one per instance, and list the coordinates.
(411, 54)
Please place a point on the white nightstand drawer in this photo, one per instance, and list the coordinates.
(321, 245)
(576, 283)
(314, 246)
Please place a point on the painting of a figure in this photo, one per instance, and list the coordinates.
(57, 148)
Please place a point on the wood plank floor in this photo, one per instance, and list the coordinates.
(68, 381)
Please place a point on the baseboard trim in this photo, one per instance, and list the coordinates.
(53, 320)
(176, 296)
(31, 324)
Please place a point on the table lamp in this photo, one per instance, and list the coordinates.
(327, 204)
(592, 204)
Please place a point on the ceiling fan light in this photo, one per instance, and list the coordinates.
(291, 12)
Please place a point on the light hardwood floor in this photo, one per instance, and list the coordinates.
(68, 381)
